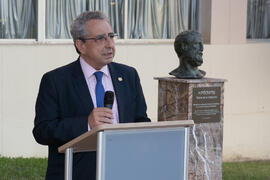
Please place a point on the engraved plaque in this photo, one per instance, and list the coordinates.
(206, 104)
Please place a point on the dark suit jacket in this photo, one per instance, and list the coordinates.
(62, 108)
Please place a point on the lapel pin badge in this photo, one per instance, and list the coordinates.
(120, 79)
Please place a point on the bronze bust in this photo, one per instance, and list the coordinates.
(189, 47)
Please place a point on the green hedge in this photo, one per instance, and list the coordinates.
(35, 169)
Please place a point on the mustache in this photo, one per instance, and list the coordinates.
(108, 50)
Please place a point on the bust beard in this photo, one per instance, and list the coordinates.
(188, 68)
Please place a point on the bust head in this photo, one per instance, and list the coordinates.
(189, 47)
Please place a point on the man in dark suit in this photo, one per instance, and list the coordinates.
(67, 104)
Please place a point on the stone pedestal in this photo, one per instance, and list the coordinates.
(200, 100)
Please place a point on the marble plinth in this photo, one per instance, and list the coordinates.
(176, 102)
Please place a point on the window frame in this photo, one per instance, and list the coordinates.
(41, 32)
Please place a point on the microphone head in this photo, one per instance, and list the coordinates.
(108, 99)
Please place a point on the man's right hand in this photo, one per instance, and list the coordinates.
(100, 116)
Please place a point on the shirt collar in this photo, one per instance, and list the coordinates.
(88, 70)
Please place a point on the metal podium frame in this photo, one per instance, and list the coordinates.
(94, 141)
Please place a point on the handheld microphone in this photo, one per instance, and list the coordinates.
(108, 99)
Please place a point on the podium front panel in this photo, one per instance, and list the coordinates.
(144, 154)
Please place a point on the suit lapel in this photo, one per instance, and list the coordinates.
(118, 81)
(80, 86)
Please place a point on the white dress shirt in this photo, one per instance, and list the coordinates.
(90, 78)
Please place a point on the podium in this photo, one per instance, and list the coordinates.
(149, 150)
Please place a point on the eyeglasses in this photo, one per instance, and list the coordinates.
(101, 38)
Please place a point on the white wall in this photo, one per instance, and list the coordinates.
(247, 100)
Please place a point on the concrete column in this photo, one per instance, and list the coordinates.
(224, 22)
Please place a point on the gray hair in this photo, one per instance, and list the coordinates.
(77, 28)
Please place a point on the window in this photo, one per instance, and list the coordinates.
(59, 15)
(18, 19)
(258, 19)
(161, 19)
(130, 19)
